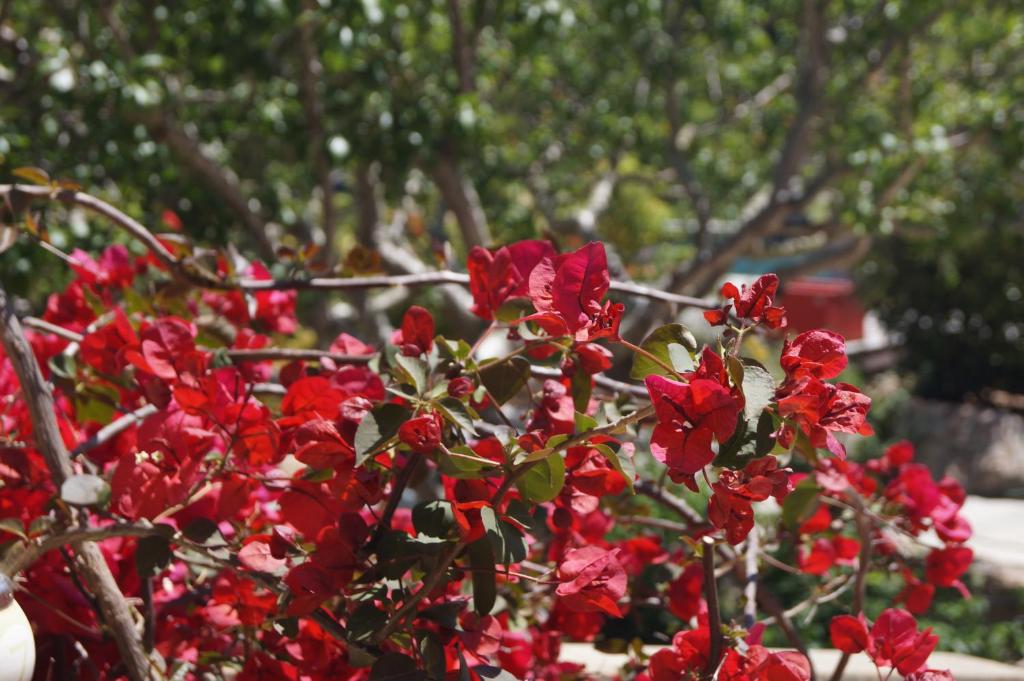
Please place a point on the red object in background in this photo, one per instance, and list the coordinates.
(823, 304)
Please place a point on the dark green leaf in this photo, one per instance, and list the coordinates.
(396, 667)
(800, 504)
(673, 344)
(365, 621)
(490, 673)
(432, 654)
(504, 380)
(581, 387)
(152, 554)
(433, 518)
(376, 428)
(481, 559)
(200, 530)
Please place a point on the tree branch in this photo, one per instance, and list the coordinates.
(89, 560)
(221, 181)
(310, 70)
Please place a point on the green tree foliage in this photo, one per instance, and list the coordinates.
(683, 134)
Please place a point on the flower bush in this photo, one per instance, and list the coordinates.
(418, 511)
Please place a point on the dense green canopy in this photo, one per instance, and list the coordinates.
(685, 134)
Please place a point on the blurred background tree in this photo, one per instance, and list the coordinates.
(685, 134)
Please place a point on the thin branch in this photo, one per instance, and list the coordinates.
(714, 614)
(90, 561)
(750, 587)
(649, 489)
(113, 429)
(863, 565)
(221, 181)
(312, 104)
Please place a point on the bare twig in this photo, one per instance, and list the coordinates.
(863, 565)
(750, 588)
(714, 614)
(670, 501)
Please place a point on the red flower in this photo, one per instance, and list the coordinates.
(592, 580)
(896, 642)
(689, 415)
(752, 302)
(496, 276)
(729, 507)
(566, 291)
(849, 634)
(689, 653)
(821, 409)
(416, 337)
(421, 434)
(814, 354)
(944, 567)
(686, 593)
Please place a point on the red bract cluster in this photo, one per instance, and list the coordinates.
(893, 641)
(410, 509)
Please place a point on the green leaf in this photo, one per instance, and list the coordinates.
(543, 480)
(85, 490)
(758, 390)
(581, 386)
(507, 543)
(505, 379)
(620, 462)
(14, 526)
(396, 667)
(457, 350)
(513, 309)
(433, 518)
(455, 412)
(751, 439)
(152, 554)
(376, 428)
(800, 504)
(200, 530)
(413, 370)
(490, 673)
(485, 592)
(32, 174)
(432, 654)
(365, 621)
(673, 344)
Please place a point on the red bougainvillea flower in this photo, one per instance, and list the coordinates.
(688, 655)
(821, 409)
(686, 593)
(416, 337)
(689, 415)
(114, 268)
(497, 276)
(916, 595)
(421, 434)
(592, 580)
(896, 642)
(945, 567)
(824, 553)
(730, 508)
(849, 634)
(752, 302)
(814, 354)
(566, 291)
(893, 640)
